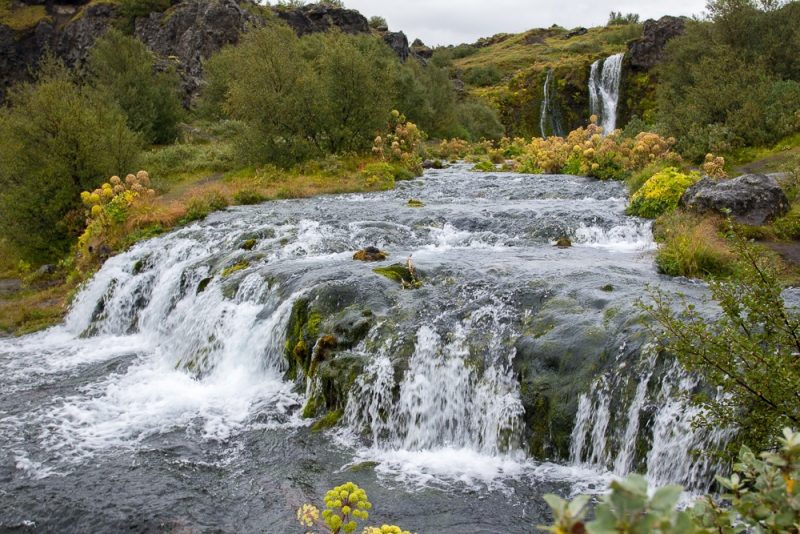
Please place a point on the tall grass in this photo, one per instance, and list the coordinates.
(691, 246)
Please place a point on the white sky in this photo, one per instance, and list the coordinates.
(443, 22)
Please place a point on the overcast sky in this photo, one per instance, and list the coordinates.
(443, 22)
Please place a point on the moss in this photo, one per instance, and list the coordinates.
(414, 203)
(238, 267)
(607, 287)
(329, 421)
(203, 284)
(399, 273)
(363, 466)
(563, 243)
(311, 407)
(249, 244)
(366, 255)
(22, 18)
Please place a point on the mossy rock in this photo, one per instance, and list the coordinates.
(400, 273)
(328, 422)
(249, 244)
(414, 203)
(563, 243)
(370, 254)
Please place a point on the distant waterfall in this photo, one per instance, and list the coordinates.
(548, 116)
(604, 90)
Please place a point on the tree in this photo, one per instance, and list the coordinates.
(122, 67)
(142, 8)
(377, 21)
(56, 140)
(749, 357)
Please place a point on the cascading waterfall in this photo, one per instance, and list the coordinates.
(604, 84)
(548, 114)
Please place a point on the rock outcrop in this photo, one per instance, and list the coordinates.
(419, 49)
(193, 32)
(752, 199)
(319, 18)
(398, 42)
(648, 51)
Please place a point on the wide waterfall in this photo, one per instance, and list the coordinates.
(176, 396)
(604, 84)
(548, 114)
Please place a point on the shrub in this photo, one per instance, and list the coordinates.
(636, 180)
(245, 197)
(376, 22)
(201, 207)
(483, 76)
(661, 193)
(142, 8)
(44, 168)
(378, 176)
(747, 355)
(689, 246)
(122, 67)
(400, 143)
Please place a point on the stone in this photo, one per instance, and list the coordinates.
(370, 254)
(753, 199)
(316, 18)
(398, 42)
(648, 51)
(575, 33)
(45, 270)
(563, 243)
(421, 51)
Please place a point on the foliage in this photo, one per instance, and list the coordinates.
(246, 197)
(748, 355)
(377, 21)
(661, 193)
(452, 149)
(483, 76)
(690, 246)
(200, 207)
(585, 151)
(22, 17)
(618, 19)
(326, 93)
(732, 80)
(764, 496)
(400, 144)
(714, 167)
(479, 121)
(122, 67)
(56, 140)
(142, 8)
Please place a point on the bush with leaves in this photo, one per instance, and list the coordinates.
(764, 496)
(122, 67)
(400, 143)
(56, 140)
(661, 193)
(748, 356)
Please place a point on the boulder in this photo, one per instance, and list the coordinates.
(320, 18)
(398, 42)
(370, 254)
(575, 33)
(648, 51)
(419, 49)
(753, 199)
(78, 37)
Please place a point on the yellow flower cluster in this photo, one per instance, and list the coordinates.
(401, 143)
(307, 515)
(138, 185)
(385, 529)
(714, 167)
(585, 151)
(344, 504)
(453, 149)
(661, 193)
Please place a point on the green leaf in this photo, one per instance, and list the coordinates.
(666, 498)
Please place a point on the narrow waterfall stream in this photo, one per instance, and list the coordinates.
(166, 402)
(548, 114)
(604, 82)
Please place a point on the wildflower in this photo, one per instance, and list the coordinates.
(115, 180)
(307, 515)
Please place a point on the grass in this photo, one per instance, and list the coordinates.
(691, 246)
(763, 159)
(22, 18)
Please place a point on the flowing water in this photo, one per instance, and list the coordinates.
(604, 81)
(548, 114)
(164, 402)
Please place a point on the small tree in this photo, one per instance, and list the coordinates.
(377, 21)
(122, 67)
(750, 355)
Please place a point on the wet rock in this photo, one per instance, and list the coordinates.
(648, 51)
(370, 254)
(414, 203)
(753, 199)
(563, 243)
(575, 33)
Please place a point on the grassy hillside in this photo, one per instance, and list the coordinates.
(510, 72)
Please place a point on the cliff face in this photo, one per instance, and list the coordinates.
(188, 33)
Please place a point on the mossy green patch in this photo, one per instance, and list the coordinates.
(414, 203)
(22, 18)
(238, 267)
(249, 244)
(329, 421)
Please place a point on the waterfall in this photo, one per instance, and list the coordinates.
(598, 442)
(604, 90)
(548, 114)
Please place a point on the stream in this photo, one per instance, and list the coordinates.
(168, 400)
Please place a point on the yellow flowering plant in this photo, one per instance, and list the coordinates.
(401, 142)
(343, 506)
(661, 193)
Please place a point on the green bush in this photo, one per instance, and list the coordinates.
(764, 496)
(56, 141)
(483, 76)
(201, 207)
(637, 179)
(585, 47)
(246, 197)
(689, 246)
(142, 8)
(122, 68)
(377, 21)
(479, 121)
(661, 193)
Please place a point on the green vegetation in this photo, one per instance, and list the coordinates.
(689, 245)
(748, 356)
(142, 8)
(763, 495)
(376, 22)
(122, 68)
(56, 140)
(23, 17)
(661, 193)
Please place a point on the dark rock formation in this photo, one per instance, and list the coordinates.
(419, 49)
(77, 38)
(319, 18)
(648, 51)
(19, 52)
(575, 33)
(398, 42)
(193, 32)
(752, 199)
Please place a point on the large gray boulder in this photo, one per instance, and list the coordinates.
(648, 51)
(753, 199)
